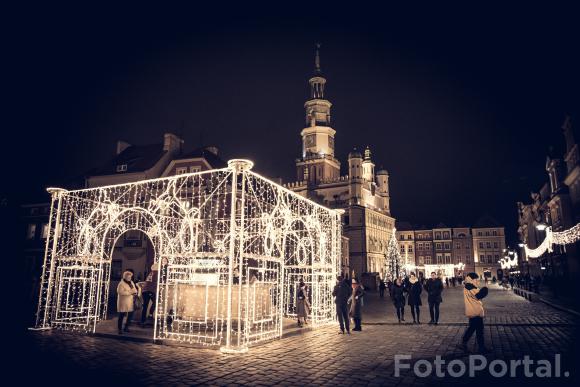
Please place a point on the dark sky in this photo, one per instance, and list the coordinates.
(459, 105)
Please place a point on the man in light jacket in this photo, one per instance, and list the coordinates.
(472, 296)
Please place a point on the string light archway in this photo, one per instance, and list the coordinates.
(230, 248)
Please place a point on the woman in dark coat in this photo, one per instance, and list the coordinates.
(414, 290)
(356, 304)
(398, 296)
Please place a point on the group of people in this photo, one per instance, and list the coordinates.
(408, 292)
(133, 296)
(348, 298)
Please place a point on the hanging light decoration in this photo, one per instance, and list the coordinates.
(566, 237)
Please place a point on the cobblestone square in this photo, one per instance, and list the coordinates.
(514, 328)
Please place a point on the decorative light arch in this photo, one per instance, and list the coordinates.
(230, 246)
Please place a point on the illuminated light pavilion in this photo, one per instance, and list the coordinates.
(230, 249)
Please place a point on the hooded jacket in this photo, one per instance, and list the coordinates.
(472, 295)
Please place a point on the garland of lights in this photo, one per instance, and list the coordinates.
(566, 237)
(230, 248)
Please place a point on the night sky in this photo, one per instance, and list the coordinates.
(461, 106)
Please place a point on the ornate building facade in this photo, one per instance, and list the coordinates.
(453, 251)
(555, 204)
(362, 192)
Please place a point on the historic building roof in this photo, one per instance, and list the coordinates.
(137, 158)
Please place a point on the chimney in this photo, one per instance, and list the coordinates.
(121, 146)
(212, 149)
(171, 142)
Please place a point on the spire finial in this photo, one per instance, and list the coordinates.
(317, 58)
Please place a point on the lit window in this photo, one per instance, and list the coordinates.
(31, 231)
(44, 230)
(194, 169)
(122, 168)
(180, 170)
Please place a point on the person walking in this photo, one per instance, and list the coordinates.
(414, 290)
(434, 288)
(356, 302)
(341, 293)
(447, 281)
(302, 304)
(382, 288)
(472, 296)
(398, 297)
(127, 291)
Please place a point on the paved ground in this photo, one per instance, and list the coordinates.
(515, 328)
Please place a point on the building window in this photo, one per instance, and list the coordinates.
(479, 233)
(494, 233)
(481, 258)
(489, 259)
(487, 233)
(438, 246)
(445, 235)
(488, 245)
(427, 260)
(409, 237)
(194, 169)
(439, 258)
(180, 170)
(495, 245)
(31, 231)
(437, 235)
(122, 168)
(410, 249)
(458, 245)
(44, 230)
(447, 246)
(481, 245)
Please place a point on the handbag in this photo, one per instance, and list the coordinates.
(137, 302)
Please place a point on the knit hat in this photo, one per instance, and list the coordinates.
(473, 275)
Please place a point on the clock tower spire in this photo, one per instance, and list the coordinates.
(317, 163)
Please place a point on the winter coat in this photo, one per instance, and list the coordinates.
(302, 304)
(125, 296)
(356, 302)
(398, 296)
(342, 292)
(434, 287)
(472, 296)
(414, 289)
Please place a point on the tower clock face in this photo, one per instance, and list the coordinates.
(331, 142)
(310, 141)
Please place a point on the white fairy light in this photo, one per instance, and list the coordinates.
(394, 261)
(230, 248)
(566, 237)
